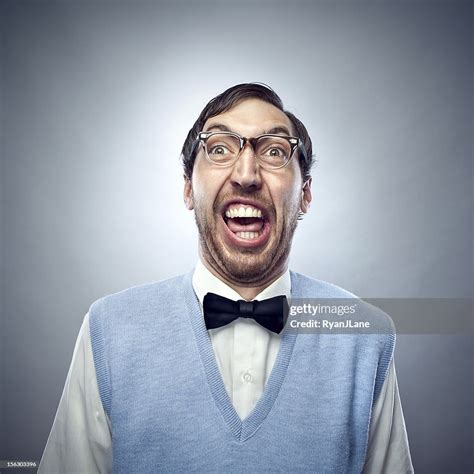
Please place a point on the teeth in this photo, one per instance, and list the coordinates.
(243, 212)
(248, 235)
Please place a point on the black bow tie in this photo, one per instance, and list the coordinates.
(271, 313)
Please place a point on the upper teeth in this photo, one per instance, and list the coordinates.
(243, 212)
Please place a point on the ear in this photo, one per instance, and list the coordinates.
(306, 196)
(188, 194)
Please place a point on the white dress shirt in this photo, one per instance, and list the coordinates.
(81, 440)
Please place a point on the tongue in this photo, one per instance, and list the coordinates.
(245, 224)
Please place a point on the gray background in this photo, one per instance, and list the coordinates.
(96, 101)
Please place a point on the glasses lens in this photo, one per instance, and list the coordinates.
(222, 148)
(273, 152)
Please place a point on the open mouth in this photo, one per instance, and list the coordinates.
(246, 223)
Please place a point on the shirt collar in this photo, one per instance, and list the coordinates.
(206, 282)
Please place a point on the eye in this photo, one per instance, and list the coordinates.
(218, 150)
(275, 152)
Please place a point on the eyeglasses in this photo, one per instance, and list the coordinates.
(271, 151)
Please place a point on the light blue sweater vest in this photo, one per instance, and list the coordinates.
(161, 387)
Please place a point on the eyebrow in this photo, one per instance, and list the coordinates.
(220, 127)
(277, 130)
(272, 131)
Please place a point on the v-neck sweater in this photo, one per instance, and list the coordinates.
(160, 385)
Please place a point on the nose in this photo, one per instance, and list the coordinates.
(246, 171)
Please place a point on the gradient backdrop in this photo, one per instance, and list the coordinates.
(97, 98)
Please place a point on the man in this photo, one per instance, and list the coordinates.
(179, 376)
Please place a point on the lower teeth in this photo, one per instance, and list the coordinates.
(248, 235)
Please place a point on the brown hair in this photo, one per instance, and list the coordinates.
(225, 101)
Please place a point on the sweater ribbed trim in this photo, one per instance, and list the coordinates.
(384, 363)
(101, 363)
(241, 429)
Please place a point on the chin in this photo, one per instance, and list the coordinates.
(246, 265)
(240, 261)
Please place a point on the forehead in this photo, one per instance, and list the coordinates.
(251, 117)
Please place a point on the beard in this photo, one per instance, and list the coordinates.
(246, 266)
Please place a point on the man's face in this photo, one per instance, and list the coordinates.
(247, 250)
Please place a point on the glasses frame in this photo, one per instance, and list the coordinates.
(294, 142)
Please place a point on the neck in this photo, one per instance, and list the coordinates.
(246, 292)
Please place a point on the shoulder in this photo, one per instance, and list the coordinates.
(307, 287)
(137, 296)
